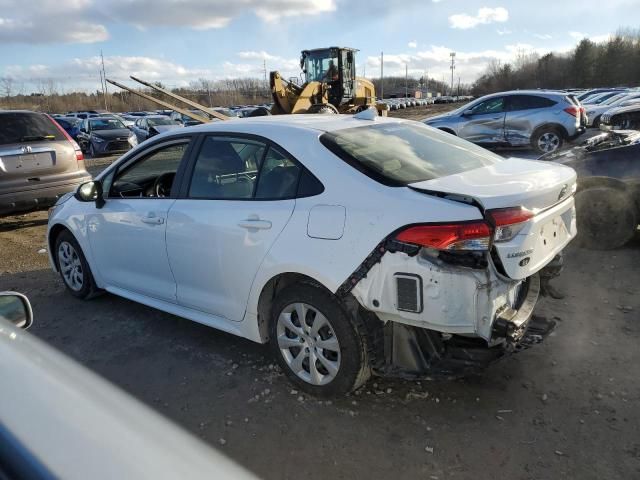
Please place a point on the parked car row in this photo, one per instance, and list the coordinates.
(409, 102)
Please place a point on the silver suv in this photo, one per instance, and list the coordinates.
(540, 119)
(39, 162)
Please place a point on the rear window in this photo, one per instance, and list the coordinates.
(398, 154)
(529, 102)
(18, 127)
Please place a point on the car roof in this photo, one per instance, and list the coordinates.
(528, 92)
(319, 122)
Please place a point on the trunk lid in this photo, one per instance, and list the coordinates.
(532, 184)
(544, 188)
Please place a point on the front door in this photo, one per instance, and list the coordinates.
(240, 197)
(484, 123)
(127, 235)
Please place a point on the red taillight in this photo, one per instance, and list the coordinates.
(509, 216)
(453, 236)
(573, 110)
(76, 147)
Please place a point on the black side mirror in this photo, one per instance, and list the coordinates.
(91, 192)
(16, 309)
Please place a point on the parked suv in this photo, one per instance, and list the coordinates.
(541, 119)
(39, 161)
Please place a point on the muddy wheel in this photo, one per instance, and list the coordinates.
(322, 108)
(317, 345)
(546, 140)
(606, 218)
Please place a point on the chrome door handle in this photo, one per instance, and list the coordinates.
(153, 220)
(255, 223)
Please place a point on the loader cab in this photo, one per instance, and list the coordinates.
(334, 67)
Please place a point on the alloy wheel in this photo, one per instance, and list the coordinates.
(70, 266)
(308, 343)
(549, 142)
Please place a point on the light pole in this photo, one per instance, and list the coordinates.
(453, 67)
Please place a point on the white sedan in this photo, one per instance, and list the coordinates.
(352, 244)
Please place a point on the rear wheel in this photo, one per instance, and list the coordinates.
(316, 343)
(546, 140)
(73, 267)
(606, 218)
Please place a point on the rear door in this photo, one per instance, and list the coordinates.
(33, 151)
(240, 195)
(484, 122)
(524, 114)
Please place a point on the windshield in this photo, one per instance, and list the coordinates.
(403, 153)
(106, 124)
(160, 121)
(321, 66)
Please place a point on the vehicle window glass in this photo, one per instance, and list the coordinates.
(105, 123)
(528, 102)
(493, 105)
(403, 153)
(226, 168)
(17, 127)
(151, 176)
(278, 176)
(309, 185)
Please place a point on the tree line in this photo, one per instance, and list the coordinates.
(613, 63)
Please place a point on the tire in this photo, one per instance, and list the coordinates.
(342, 366)
(92, 152)
(596, 122)
(606, 218)
(68, 254)
(323, 108)
(546, 140)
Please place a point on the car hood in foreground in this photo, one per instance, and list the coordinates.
(513, 182)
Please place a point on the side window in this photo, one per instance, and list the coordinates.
(528, 102)
(493, 105)
(278, 177)
(226, 168)
(150, 176)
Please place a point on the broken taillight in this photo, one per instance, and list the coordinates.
(474, 235)
(74, 144)
(508, 222)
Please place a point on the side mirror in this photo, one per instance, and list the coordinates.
(90, 192)
(467, 113)
(16, 309)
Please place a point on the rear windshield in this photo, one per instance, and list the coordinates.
(18, 127)
(398, 154)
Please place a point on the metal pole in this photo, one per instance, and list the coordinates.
(453, 67)
(381, 75)
(406, 81)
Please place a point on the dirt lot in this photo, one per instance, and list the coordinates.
(568, 408)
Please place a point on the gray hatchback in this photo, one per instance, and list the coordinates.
(39, 162)
(537, 118)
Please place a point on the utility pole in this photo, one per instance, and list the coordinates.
(104, 76)
(381, 75)
(102, 82)
(453, 67)
(406, 81)
(458, 86)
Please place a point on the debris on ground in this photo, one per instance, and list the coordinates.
(222, 441)
(428, 449)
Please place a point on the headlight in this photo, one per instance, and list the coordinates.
(97, 139)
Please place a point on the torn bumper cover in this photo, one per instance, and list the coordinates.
(413, 352)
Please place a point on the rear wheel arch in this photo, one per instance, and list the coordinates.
(269, 292)
(551, 126)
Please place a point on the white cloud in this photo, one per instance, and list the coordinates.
(543, 36)
(412, 44)
(577, 36)
(485, 15)
(503, 31)
(85, 21)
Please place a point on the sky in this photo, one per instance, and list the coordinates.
(58, 42)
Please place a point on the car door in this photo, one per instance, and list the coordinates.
(484, 122)
(524, 114)
(83, 135)
(127, 235)
(240, 196)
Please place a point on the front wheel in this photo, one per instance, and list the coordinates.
(546, 140)
(316, 343)
(73, 267)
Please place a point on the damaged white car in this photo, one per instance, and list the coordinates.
(352, 244)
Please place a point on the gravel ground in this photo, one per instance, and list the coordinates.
(568, 408)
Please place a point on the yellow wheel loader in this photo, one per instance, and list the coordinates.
(330, 85)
